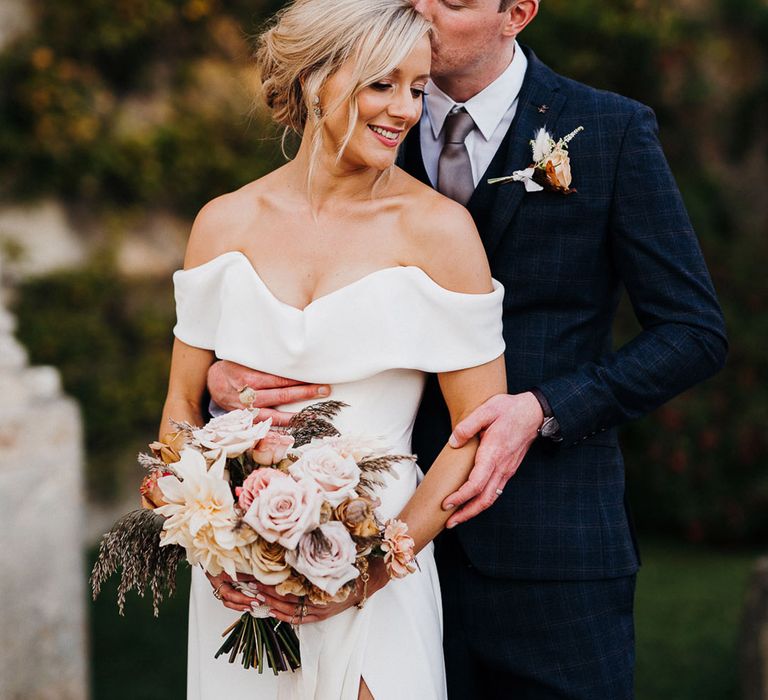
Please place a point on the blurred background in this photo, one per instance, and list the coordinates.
(120, 119)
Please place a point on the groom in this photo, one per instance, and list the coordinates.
(538, 589)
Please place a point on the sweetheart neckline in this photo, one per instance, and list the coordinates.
(242, 256)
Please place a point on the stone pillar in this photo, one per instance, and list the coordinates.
(754, 636)
(42, 570)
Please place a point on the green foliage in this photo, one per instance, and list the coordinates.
(110, 337)
(122, 113)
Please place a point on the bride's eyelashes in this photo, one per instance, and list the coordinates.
(381, 86)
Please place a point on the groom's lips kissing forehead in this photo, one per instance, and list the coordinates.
(388, 135)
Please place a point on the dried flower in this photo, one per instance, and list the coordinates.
(169, 447)
(292, 586)
(358, 517)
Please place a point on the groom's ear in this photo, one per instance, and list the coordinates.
(519, 14)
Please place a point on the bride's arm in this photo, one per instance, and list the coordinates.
(189, 367)
(463, 390)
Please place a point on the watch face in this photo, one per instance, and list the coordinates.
(550, 427)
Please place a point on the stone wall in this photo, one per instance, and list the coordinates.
(42, 572)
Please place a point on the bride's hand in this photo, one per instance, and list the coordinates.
(296, 610)
(227, 380)
(229, 595)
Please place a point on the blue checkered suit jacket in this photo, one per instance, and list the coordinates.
(563, 261)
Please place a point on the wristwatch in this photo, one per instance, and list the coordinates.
(550, 428)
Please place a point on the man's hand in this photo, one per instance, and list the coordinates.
(226, 380)
(507, 424)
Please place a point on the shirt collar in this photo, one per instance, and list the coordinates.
(488, 107)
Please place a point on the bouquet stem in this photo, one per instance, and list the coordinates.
(255, 639)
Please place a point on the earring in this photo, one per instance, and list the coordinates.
(317, 109)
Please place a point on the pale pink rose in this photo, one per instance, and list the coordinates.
(284, 510)
(398, 546)
(272, 448)
(326, 557)
(358, 447)
(232, 433)
(336, 475)
(253, 483)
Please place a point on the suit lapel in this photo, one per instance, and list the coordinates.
(494, 206)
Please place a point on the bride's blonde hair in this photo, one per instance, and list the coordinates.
(308, 42)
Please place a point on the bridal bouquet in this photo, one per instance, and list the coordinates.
(294, 508)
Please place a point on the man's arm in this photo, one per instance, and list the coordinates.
(227, 381)
(682, 342)
(658, 258)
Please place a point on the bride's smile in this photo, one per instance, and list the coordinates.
(386, 109)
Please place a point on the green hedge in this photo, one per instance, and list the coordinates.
(111, 339)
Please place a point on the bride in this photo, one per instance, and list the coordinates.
(339, 268)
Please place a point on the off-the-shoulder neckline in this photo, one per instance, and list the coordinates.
(236, 254)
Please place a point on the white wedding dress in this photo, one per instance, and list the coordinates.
(373, 341)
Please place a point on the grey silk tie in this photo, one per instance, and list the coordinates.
(454, 169)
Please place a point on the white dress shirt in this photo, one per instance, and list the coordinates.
(492, 110)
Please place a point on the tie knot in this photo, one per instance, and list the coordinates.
(458, 124)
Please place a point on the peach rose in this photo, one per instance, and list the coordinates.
(272, 448)
(398, 546)
(559, 169)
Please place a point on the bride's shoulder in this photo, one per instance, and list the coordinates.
(443, 240)
(226, 222)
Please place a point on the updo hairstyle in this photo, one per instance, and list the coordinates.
(309, 40)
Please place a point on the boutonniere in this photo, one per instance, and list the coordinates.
(551, 167)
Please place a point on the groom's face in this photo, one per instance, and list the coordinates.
(468, 34)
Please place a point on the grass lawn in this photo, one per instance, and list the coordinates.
(688, 609)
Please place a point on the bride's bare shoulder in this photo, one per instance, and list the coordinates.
(225, 223)
(443, 240)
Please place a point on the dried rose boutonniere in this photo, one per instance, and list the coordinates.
(551, 167)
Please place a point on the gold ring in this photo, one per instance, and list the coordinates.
(304, 610)
(217, 592)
